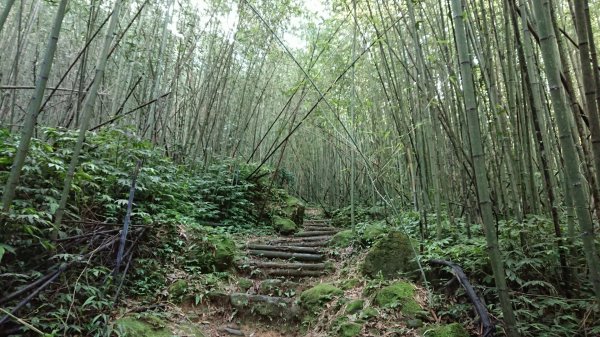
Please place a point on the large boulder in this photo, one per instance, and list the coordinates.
(391, 256)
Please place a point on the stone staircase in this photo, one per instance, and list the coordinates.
(297, 256)
(279, 267)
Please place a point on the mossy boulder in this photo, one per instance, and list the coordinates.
(270, 286)
(294, 209)
(314, 298)
(284, 226)
(354, 306)
(178, 289)
(244, 284)
(398, 295)
(342, 239)
(390, 256)
(447, 330)
(215, 252)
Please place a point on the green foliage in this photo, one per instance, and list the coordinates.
(172, 201)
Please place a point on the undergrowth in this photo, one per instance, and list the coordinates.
(182, 215)
(545, 305)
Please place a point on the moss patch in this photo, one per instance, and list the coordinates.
(372, 232)
(350, 329)
(244, 284)
(398, 295)
(354, 306)
(342, 239)
(178, 288)
(294, 209)
(215, 252)
(134, 327)
(313, 299)
(368, 313)
(284, 226)
(389, 256)
(448, 330)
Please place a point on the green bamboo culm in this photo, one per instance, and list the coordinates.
(33, 109)
(478, 158)
(574, 180)
(86, 113)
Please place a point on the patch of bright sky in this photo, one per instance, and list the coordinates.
(317, 10)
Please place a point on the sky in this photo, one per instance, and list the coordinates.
(317, 8)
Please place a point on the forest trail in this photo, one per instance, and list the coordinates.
(279, 268)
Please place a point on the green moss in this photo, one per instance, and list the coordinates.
(368, 313)
(354, 306)
(178, 288)
(225, 251)
(448, 330)
(284, 226)
(398, 295)
(372, 232)
(342, 239)
(134, 327)
(389, 256)
(244, 284)
(270, 286)
(313, 299)
(294, 209)
(350, 329)
(215, 252)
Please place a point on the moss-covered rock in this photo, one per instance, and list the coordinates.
(284, 226)
(342, 239)
(314, 298)
(390, 256)
(270, 286)
(244, 284)
(398, 295)
(349, 329)
(178, 289)
(447, 330)
(354, 306)
(215, 252)
(294, 209)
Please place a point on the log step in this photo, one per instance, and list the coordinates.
(320, 229)
(283, 265)
(285, 255)
(315, 233)
(293, 249)
(322, 243)
(294, 273)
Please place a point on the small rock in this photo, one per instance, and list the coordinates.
(354, 306)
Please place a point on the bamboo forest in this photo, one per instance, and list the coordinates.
(270, 168)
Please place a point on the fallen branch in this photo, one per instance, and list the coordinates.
(486, 323)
